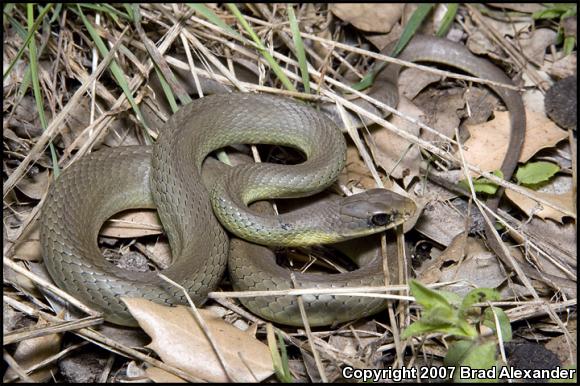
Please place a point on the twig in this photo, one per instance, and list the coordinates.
(50, 287)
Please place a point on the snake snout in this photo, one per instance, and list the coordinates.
(375, 210)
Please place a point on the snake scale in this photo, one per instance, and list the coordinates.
(166, 176)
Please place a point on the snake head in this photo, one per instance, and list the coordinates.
(373, 211)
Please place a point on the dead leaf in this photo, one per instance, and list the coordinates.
(430, 272)
(369, 17)
(534, 45)
(413, 80)
(442, 107)
(178, 340)
(441, 222)
(480, 268)
(34, 186)
(488, 143)
(356, 172)
(28, 246)
(33, 351)
(158, 375)
(391, 152)
(531, 207)
(131, 224)
(562, 68)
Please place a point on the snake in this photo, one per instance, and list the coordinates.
(167, 177)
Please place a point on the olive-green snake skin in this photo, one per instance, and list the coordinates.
(167, 177)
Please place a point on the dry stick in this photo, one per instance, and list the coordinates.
(16, 367)
(411, 138)
(341, 291)
(203, 326)
(317, 360)
(50, 287)
(104, 342)
(107, 370)
(530, 310)
(53, 328)
(55, 126)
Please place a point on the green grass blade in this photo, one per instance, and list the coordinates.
(34, 71)
(107, 9)
(31, 32)
(273, 64)
(116, 70)
(212, 17)
(447, 19)
(412, 26)
(166, 90)
(300, 52)
(285, 370)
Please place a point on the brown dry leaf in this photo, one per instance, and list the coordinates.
(35, 186)
(133, 224)
(158, 375)
(393, 153)
(531, 207)
(413, 80)
(28, 246)
(369, 17)
(430, 272)
(178, 340)
(534, 45)
(562, 68)
(480, 268)
(488, 143)
(356, 173)
(33, 351)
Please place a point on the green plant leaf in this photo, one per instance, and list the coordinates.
(479, 295)
(457, 351)
(556, 10)
(479, 356)
(569, 43)
(427, 297)
(421, 327)
(504, 322)
(482, 184)
(536, 172)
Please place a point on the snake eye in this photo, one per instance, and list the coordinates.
(380, 219)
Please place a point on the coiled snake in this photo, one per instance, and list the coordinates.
(166, 176)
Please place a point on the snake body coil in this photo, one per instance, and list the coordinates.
(167, 177)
